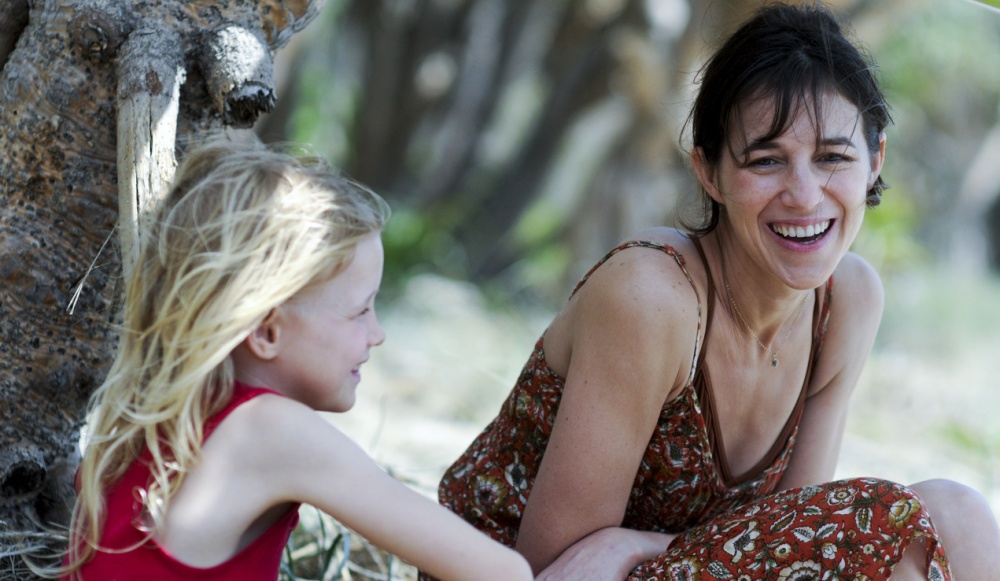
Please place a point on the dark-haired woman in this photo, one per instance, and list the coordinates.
(682, 416)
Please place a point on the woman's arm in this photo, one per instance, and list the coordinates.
(606, 554)
(630, 332)
(856, 310)
(300, 457)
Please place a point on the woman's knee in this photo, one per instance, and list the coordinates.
(958, 511)
(942, 494)
(966, 524)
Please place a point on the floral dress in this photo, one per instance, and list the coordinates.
(734, 527)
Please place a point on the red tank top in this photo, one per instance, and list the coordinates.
(151, 562)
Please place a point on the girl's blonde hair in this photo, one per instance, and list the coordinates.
(243, 229)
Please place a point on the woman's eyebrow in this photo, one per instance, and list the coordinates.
(841, 140)
(759, 145)
(769, 144)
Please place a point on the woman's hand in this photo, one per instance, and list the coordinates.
(606, 555)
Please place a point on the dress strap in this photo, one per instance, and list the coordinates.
(241, 394)
(709, 301)
(823, 320)
(682, 263)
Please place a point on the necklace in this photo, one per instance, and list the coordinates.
(773, 354)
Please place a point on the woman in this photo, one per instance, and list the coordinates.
(676, 418)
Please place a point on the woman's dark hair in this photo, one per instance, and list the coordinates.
(793, 54)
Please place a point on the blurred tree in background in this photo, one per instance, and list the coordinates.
(517, 140)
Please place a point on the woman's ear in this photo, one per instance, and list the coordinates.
(704, 170)
(264, 342)
(878, 158)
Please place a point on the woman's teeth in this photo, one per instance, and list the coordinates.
(801, 232)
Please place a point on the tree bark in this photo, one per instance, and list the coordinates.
(13, 19)
(148, 103)
(95, 94)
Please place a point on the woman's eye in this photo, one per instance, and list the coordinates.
(763, 162)
(834, 158)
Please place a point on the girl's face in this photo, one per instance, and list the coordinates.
(793, 205)
(329, 330)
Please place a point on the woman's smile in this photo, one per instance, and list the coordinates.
(803, 234)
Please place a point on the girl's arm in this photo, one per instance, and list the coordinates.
(856, 310)
(631, 333)
(300, 457)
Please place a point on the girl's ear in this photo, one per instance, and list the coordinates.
(706, 174)
(264, 342)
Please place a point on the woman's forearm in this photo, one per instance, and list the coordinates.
(609, 553)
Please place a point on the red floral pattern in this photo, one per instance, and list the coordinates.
(852, 529)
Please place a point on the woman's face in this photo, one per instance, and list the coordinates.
(793, 205)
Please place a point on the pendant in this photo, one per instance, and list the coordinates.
(774, 361)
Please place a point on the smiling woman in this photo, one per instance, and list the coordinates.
(655, 433)
(792, 203)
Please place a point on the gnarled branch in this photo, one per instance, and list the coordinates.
(148, 102)
(239, 74)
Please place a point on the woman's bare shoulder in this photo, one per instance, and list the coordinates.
(858, 291)
(855, 313)
(647, 286)
(640, 298)
(645, 277)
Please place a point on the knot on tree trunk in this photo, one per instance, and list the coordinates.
(239, 74)
(22, 474)
(98, 29)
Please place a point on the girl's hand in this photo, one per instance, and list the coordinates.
(608, 554)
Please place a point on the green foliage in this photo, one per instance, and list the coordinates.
(888, 238)
(940, 67)
(544, 269)
(540, 224)
(415, 244)
(995, 3)
(320, 115)
(328, 91)
(942, 58)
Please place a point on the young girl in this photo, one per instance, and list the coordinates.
(251, 308)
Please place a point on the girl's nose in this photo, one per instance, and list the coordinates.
(376, 334)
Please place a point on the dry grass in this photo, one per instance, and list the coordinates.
(14, 542)
(323, 550)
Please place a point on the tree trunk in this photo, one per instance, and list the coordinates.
(93, 94)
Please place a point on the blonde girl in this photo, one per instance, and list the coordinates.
(251, 308)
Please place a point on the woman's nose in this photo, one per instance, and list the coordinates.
(804, 186)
